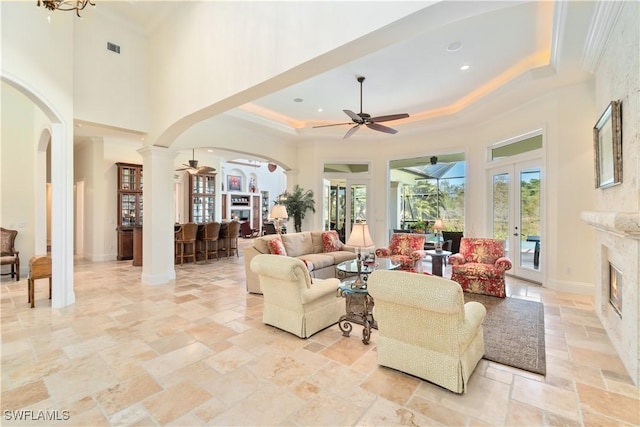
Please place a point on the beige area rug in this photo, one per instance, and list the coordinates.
(513, 332)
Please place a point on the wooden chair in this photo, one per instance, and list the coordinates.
(247, 232)
(268, 228)
(188, 234)
(39, 268)
(230, 237)
(8, 253)
(211, 236)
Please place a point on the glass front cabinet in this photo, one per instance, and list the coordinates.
(202, 190)
(129, 206)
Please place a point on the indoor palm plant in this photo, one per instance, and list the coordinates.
(298, 202)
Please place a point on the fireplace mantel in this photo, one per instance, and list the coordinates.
(626, 224)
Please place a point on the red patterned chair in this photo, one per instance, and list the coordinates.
(479, 267)
(404, 248)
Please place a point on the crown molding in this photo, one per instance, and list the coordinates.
(604, 19)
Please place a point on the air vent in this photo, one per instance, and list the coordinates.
(113, 47)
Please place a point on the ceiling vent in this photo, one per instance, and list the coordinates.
(113, 47)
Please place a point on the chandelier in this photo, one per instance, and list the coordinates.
(66, 5)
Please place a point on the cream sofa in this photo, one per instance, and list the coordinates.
(425, 328)
(291, 301)
(306, 245)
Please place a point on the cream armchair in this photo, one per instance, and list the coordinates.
(291, 301)
(425, 328)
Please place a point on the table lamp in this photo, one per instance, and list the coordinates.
(359, 238)
(438, 227)
(278, 213)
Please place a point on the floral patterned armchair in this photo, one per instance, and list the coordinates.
(405, 249)
(479, 267)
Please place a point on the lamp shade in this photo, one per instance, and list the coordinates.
(439, 225)
(279, 212)
(360, 236)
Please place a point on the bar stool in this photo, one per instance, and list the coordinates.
(188, 237)
(39, 268)
(211, 235)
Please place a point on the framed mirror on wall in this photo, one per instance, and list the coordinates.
(607, 142)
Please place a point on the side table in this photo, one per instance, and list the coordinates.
(436, 261)
(39, 268)
(359, 305)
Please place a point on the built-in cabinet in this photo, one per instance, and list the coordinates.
(202, 198)
(129, 206)
(265, 204)
(242, 206)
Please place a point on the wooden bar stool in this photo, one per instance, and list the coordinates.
(39, 268)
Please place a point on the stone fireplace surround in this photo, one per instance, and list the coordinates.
(618, 243)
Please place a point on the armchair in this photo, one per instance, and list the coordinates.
(425, 328)
(480, 266)
(405, 249)
(291, 301)
(8, 253)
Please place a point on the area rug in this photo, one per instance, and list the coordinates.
(513, 332)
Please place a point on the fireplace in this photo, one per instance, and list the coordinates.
(617, 279)
(615, 289)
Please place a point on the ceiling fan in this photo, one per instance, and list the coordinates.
(366, 119)
(193, 167)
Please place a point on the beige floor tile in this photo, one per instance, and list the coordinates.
(614, 405)
(175, 401)
(195, 352)
(546, 397)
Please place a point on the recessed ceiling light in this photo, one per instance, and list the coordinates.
(209, 150)
(320, 110)
(465, 67)
(454, 46)
(298, 99)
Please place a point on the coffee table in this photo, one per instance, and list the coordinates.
(358, 302)
(351, 267)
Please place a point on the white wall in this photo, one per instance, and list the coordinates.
(17, 179)
(110, 88)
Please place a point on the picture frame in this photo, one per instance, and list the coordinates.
(607, 142)
(234, 183)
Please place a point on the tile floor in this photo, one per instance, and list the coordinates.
(196, 353)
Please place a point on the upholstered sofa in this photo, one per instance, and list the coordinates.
(480, 266)
(321, 251)
(425, 328)
(291, 302)
(404, 248)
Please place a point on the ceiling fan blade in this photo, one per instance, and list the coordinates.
(351, 131)
(389, 117)
(356, 118)
(182, 169)
(335, 124)
(206, 169)
(381, 128)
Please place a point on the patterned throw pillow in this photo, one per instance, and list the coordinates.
(276, 247)
(330, 241)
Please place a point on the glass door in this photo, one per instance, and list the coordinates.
(345, 201)
(515, 216)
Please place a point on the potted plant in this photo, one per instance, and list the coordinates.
(298, 202)
(419, 226)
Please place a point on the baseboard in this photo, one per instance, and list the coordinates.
(581, 288)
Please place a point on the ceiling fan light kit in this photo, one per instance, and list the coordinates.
(365, 119)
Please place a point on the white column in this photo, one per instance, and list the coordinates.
(61, 218)
(158, 215)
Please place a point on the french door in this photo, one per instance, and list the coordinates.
(516, 200)
(345, 201)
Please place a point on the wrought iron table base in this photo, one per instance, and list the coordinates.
(358, 310)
